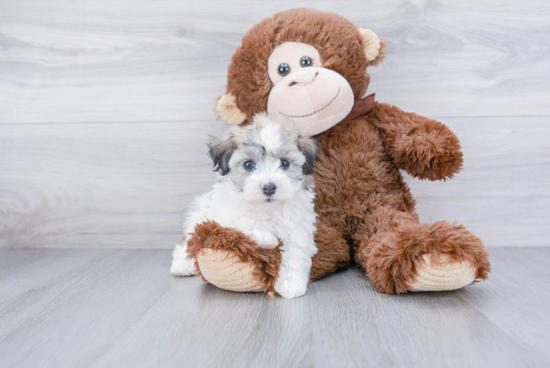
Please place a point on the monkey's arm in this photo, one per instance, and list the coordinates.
(424, 148)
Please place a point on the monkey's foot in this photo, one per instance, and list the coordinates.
(225, 270)
(443, 274)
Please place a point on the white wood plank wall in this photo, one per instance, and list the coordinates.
(106, 106)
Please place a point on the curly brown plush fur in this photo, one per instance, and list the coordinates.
(424, 148)
(333, 252)
(364, 206)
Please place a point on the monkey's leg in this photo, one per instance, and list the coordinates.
(400, 254)
(230, 260)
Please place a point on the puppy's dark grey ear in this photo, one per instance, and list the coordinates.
(309, 147)
(220, 151)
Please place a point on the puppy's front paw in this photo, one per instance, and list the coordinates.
(183, 267)
(265, 239)
(290, 287)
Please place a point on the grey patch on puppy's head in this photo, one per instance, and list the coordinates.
(309, 147)
(248, 149)
(220, 151)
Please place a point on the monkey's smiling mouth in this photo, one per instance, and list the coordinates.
(314, 112)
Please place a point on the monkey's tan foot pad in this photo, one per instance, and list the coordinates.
(226, 271)
(447, 274)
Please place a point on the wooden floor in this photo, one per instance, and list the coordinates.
(118, 308)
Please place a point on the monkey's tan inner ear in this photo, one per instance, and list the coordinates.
(228, 110)
(372, 43)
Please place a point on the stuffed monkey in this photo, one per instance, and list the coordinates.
(310, 68)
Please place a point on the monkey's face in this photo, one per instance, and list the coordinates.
(312, 97)
(303, 66)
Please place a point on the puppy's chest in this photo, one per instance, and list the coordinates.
(286, 225)
(279, 223)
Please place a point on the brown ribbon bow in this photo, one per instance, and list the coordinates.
(361, 107)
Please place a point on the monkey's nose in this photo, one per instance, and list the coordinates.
(304, 76)
(269, 189)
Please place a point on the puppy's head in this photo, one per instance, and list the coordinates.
(264, 161)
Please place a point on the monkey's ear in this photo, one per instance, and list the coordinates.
(373, 46)
(220, 151)
(229, 112)
(309, 147)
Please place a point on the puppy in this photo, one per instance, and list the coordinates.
(265, 190)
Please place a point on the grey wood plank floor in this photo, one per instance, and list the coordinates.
(121, 308)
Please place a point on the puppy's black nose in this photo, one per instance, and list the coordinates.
(269, 189)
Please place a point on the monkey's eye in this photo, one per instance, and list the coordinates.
(306, 61)
(284, 69)
(285, 164)
(249, 165)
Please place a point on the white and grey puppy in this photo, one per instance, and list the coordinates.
(265, 190)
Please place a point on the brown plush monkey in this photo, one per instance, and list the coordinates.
(310, 67)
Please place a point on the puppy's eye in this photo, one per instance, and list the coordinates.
(249, 165)
(306, 61)
(284, 69)
(285, 164)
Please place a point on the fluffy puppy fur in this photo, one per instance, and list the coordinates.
(264, 189)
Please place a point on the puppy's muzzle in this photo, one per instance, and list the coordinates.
(269, 189)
